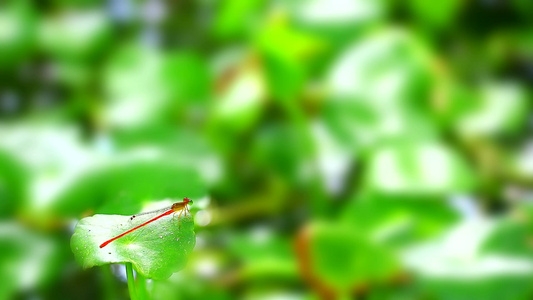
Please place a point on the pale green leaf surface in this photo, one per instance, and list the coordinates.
(156, 250)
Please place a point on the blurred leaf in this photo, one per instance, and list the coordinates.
(123, 187)
(266, 256)
(337, 24)
(456, 99)
(13, 185)
(237, 18)
(52, 156)
(399, 221)
(388, 66)
(378, 90)
(435, 14)
(510, 237)
(332, 13)
(27, 260)
(17, 32)
(503, 109)
(76, 75)
(241, 100)
(360, 128)
(76, 35)
(134, 88)
(187, 148)
(186, 75)
(280, 149)
(286, 66)
(496, 288)
(149, 89)
(180, 286)
(524, 7)
(409, 169)
(334, 161)
(453, 266)
(512, 234)
(156, 250)
(342, 258)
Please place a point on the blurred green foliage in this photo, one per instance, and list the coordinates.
(334, 149)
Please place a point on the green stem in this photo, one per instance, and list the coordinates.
(141, 287)
(108, 282)
(131, 282)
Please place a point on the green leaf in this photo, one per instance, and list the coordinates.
(280, 148)
(49, 156)
(455, 265)
(512, 233)
(27, 259)
(156, 250)
(398, 221)
(76, 35)
(234, 17)
(13, 184)
(342, 258)
(132, 83)
(266, 256)
(17, 38)
(186, 77)
(509, 237)
(502, 109)
(286, 68)
(435, 14)
(338, 13)
(240, 103)
(374, 90)
(122, 187)
(426, 168)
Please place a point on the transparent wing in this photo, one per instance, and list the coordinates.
(152, 212)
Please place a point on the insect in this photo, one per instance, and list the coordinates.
(180, 207)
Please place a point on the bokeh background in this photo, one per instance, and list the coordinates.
(335, 149)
